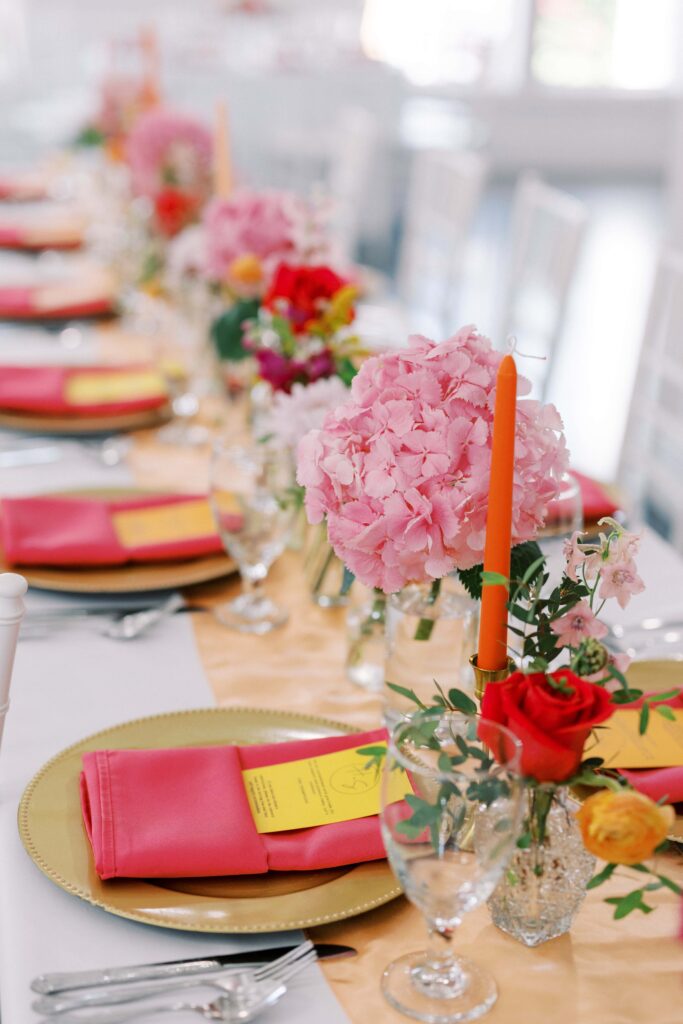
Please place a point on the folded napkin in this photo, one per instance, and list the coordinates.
(185, 813)
(87, 531)
(22, 186)
(81, 390)
(597, 502)
(53, 303)
(36, 236)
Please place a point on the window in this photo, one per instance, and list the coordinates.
(437, 42)
(619, 44)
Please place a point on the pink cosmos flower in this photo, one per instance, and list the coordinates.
(578, 624)
(274, 227)
(401, 470)
(620, 580)
(166, 148)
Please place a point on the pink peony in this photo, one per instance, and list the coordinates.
(166, 148)
(272, 226)
(401, 470)
(578, 624)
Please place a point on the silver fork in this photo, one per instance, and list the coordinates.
(225, 1008)
(231, 982)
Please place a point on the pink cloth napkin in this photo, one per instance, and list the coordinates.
(43, 389)
(658, 783)
(19, 304)
(184, 813)
(80, 531)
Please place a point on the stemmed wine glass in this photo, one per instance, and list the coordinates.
(248, 492)
(448, 841)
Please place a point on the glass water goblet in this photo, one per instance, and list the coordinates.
(448, 840)
(248, 492)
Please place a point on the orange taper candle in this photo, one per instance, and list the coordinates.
(222, 164)
(492, 653)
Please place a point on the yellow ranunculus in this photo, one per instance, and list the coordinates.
(246, 270)
(624, 827)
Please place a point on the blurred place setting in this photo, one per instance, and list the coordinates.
(341, 515)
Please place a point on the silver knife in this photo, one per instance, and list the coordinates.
(29, 457)
(51, 983)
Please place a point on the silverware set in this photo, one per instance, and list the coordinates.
(118, 995)
(38, 450)
(115, 623)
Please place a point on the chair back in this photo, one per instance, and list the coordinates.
(349, 176)
(545, 238)
(12, 590)
(443, 194)
(651, 463)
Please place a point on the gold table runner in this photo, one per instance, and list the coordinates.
(603, 972)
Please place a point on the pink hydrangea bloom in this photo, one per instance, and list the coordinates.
(577, 625)
(401, 470)
(274, 226)
(293, 415)
(167, 148)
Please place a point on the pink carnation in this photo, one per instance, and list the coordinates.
(166, 148)
(274, 226)
(401, 470)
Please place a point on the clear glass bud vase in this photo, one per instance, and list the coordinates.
(431, 631)
(545, 884)
(324, 571)
(365, 641)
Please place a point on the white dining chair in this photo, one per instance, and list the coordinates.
(443, 194)
(12, 590)
(350, 167)
(651, 463)
(545, 238)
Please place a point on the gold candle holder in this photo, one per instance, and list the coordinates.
(483, 676)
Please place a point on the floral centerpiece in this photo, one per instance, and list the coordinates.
(299, 335)
(400, 475)
(169, 157)
(400, 471)
(570, 685)
(247, 239)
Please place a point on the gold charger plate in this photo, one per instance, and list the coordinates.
(52, 831)
(82, 426)
(134, 577)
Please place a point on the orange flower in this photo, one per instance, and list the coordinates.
(624, 827)
(246, 270)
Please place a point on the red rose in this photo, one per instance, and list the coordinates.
(304, 291)
(552, 716)
(174, 210)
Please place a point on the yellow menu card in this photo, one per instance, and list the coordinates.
(622, 747)
(169, 524)
(318, 790)
(117, 386)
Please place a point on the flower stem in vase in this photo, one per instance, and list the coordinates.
(426, 626)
